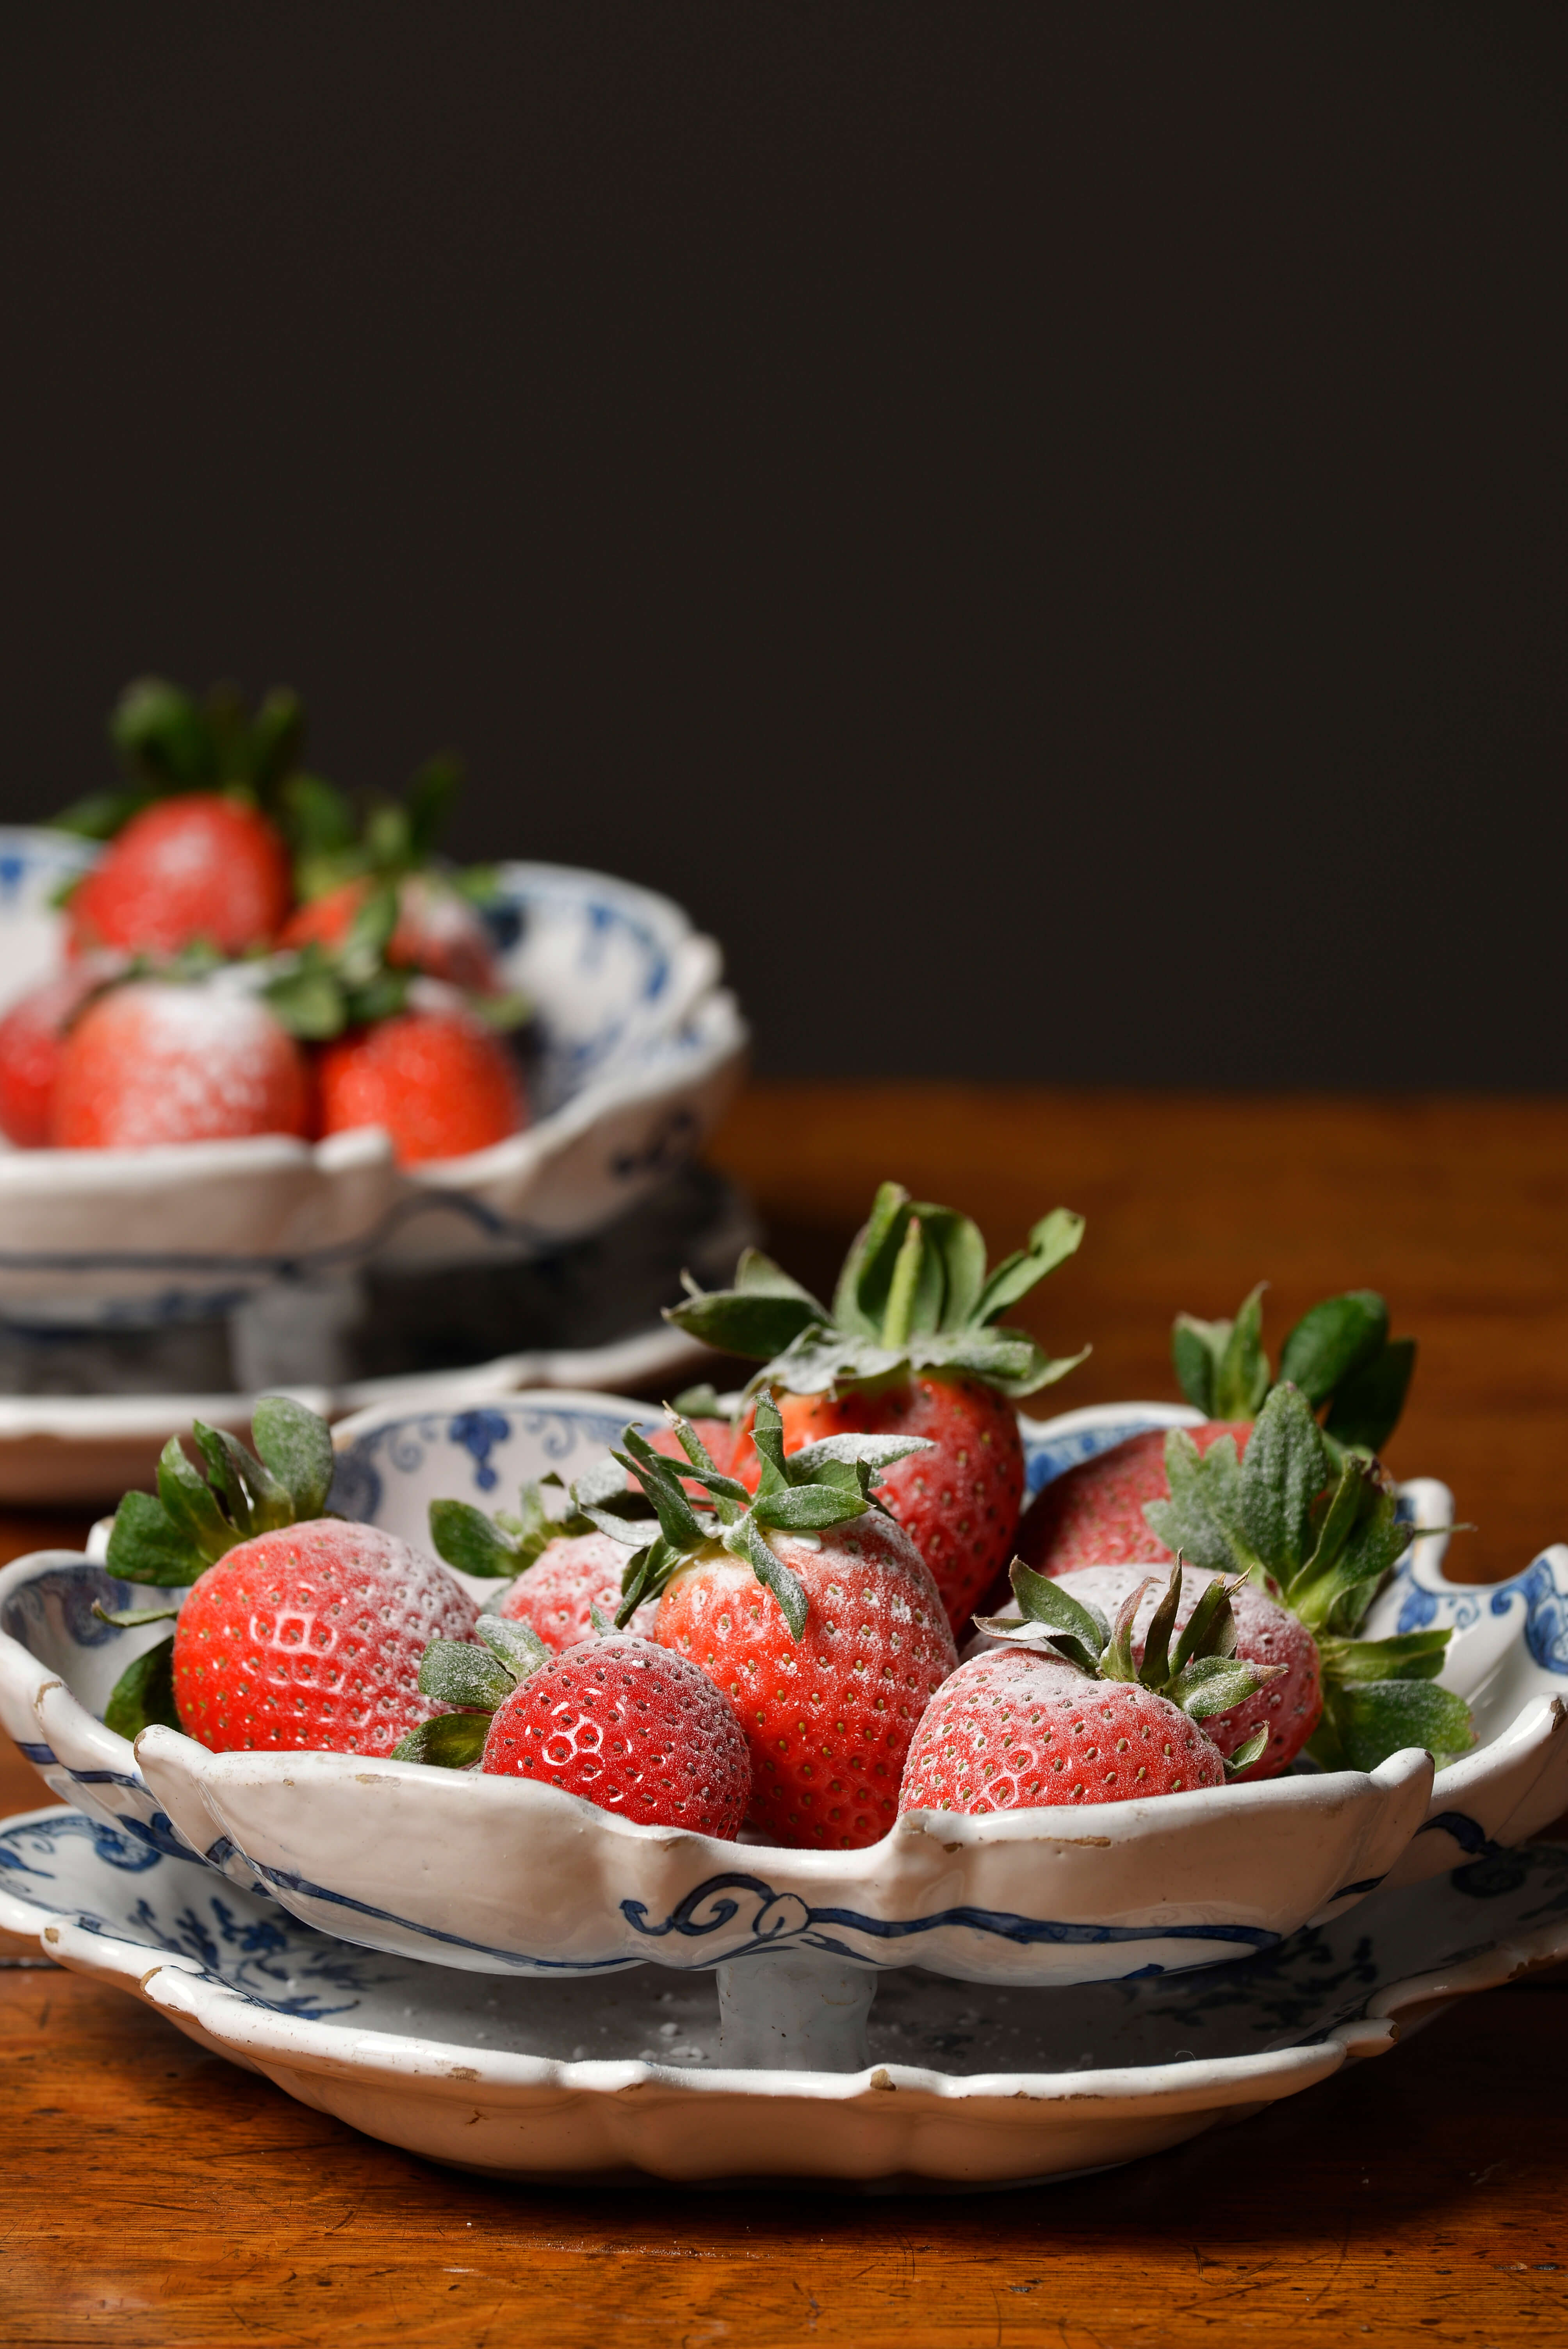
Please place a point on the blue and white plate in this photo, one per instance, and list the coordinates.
(503, 1877)
(638, 1048)
(596, 2081)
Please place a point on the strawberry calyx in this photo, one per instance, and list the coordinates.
(1202, 1674)
(810, 1492)
(168, 1539)
(913, 1294)
(548, 1511)
(1322, 1535)
(168, 743)
(1339, 1354)
(476, 1679)
(196, 1516)
(317, 992)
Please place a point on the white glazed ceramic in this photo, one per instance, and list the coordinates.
(500, 1875)
(588, 2081)
(639, 1050)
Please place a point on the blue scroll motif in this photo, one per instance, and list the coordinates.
(1546, 1613)
(783, 1916)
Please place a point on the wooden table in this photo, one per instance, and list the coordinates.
(156, 2196)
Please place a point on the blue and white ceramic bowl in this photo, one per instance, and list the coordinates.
(638, 1049)
(500, 1876)
(583, 2081)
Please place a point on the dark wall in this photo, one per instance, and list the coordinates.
(1044, 526)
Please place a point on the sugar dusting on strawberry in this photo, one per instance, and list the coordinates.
(153, 1062)
(1289, 1708)
(632, 1728)
(1013, 1730)
(437, 1080)
(198, 867)
(827, 1715)
(310, 1638)
(32, 1037)
(558, 1593)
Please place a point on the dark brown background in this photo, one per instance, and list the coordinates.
(1043, 525)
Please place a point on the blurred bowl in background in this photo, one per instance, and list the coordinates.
(637, 1047)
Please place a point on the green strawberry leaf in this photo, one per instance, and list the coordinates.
(1405, 1656)
(1041, 1600)
(1201, 1520)
(308, 1000)
(1367, 1406)
(516, 1643)
(472, 1542)
(1214, 1684)
(1196, 1348)
(1248, 1752)
(1242, 1371)
(296, 1446)
(1365, 1721)
(130, 1618)
(749, 1541)
(1284, 1469)
(807, 1508)
(1053, 1239)
(187, 1502)
(1007, 1359)
(452, 1741)
(1332, 1340)
(453, 1672)
(144, 1693)
(146, 1545)
(763, 1313)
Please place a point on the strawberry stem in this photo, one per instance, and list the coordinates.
(901, 1291)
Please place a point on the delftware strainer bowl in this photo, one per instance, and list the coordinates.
(499, 1876)
(638, 1048)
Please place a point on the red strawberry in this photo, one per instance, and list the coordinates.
(632, 1728)
(31, 1036)
(437, 930)
(197, 867)
(557, 1594)
(1075, 1717)
(911, 1344)
(810, 1610)
(439, 1082)
(1012, 1731)
(1289, 1708)
(1093, 1516)
(958, 1501)
(310, 1638)
(153, 1062)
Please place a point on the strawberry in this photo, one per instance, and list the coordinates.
(1093, 1515)
(1316, 1526)
(31, 1036)
(155, 1061)
(1066, 1715)
(437, 931)
(624, 1724)
(910, 1347)
(438, 1082)
(299, 1631)
(312, 1637)
(808, 1607)
(200, 868)
(1265, 1633)
(572, 1578)
(1338, 1354)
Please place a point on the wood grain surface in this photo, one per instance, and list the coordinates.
(155, 2197)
